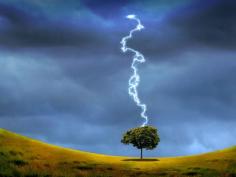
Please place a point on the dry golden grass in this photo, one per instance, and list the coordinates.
(22, 156)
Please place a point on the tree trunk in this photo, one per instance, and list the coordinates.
(141, 155)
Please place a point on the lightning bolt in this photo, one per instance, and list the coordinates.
(135, 78)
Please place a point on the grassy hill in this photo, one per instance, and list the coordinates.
(22, 156)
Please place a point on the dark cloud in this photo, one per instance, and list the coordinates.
(13, 14)
(212, 25)
(65, 81)
(25, 29)
(209, 24)
(106, 8)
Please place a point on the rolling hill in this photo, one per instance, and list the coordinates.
(22, 156)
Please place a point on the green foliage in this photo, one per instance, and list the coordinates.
(142, 137)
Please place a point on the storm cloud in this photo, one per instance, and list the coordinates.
(63, 78)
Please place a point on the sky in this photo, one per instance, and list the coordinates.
(64, 79)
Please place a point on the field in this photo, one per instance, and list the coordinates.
(22, 156)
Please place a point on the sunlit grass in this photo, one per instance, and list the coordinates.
(22, 156)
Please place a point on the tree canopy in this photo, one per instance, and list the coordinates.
(142, 137)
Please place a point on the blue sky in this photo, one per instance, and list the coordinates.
(64, 79)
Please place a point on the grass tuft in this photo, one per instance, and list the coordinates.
(19, 162)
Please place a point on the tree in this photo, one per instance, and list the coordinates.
(142, 138)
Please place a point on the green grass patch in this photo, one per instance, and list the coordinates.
(19, 162)
(197, 171)
(85, 167)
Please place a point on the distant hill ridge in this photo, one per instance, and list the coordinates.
(21, 156)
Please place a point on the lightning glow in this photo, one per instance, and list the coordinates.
(137, 58)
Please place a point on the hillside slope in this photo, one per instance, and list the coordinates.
(22, 156)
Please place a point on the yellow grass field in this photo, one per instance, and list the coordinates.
(22, 156)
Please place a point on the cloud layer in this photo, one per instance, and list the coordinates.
(64, 80)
